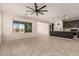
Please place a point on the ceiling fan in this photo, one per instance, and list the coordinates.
(37, 10)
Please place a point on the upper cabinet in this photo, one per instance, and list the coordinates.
(71, 24)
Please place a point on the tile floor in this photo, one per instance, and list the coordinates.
(40, 46)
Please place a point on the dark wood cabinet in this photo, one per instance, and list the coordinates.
(71, 24)
(62, 34)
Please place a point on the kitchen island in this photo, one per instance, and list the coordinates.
(64, 34)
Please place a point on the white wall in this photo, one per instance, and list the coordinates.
(42, 28)
(0, 26)
(8, 27)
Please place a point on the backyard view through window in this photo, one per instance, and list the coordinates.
(22, 27)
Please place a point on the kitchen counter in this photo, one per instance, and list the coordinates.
(64, 34)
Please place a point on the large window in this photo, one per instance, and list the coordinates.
(22, 27)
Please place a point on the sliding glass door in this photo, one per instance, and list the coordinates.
(22, 27)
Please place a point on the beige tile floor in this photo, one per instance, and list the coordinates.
(40, 46)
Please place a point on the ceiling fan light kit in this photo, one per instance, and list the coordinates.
(37, 10)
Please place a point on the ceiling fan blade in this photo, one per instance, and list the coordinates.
(36, 10)
(30, 8)
(37, 13)
(35, 6)
(43, 10)
(25, 14)
(28, 11)
(42, 7)
(32, 13)
(41, 13)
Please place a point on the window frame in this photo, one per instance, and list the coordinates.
(25, 25)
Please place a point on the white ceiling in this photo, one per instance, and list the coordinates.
(54, 10)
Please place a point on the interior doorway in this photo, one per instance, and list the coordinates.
(51, 27)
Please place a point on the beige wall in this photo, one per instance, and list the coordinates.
(56, 26)
(43, 28)
(8, 27)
